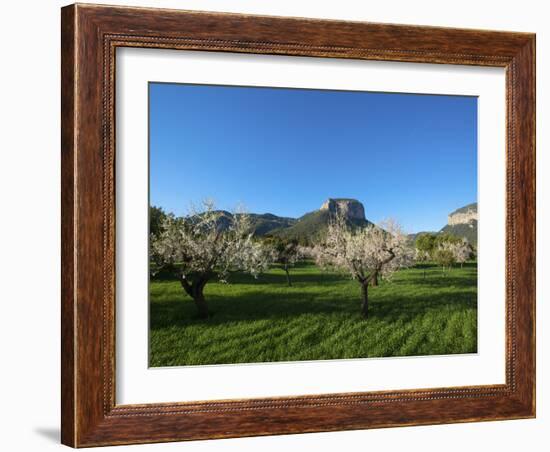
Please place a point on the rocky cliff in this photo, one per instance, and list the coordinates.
(350, 208)
(463, 223)
(464, 215)
(313, 225)
(308, 227)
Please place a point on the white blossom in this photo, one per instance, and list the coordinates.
(462, 251)
(421, 255)
(306, 252)
(199, 244)
(366, 252)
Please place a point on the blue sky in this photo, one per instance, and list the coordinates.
(285, 151)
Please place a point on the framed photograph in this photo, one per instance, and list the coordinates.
(281, 225)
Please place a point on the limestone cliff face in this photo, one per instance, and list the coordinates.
(350, 208)
(464, 215)
(463, 223)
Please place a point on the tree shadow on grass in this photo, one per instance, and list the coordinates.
(407, 308)
(431, 265)
(274, 277)
(439, 282)
(278, 277)
(262, 305)
(252, 305)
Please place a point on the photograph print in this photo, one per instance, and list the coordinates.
(291, 224)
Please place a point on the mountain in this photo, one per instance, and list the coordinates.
(312, 225)
(267, 222)
(306, 228)
(463, 214)
(262, 224)
(463, 223)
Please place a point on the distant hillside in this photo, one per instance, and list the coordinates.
(313, 225)
(468, 231)
(310, 227)
(305, 229)
(463, 223)
(262, 224)
(267, 222)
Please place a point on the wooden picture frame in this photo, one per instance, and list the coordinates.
(90, 36)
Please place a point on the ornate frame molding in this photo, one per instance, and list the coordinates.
(90, 36)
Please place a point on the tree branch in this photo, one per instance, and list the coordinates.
(388, 259)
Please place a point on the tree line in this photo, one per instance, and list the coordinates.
(198, 249)
(443, 249)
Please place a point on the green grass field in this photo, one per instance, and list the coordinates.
(317, 318)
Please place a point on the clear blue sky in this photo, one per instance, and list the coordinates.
(285, 151)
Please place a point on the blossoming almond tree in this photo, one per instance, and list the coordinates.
(202, 249)
(365, 253)
(285, 253)
(451, 251)
(462, 251)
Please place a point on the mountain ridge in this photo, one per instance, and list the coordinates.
(306, 228)
(462, 222)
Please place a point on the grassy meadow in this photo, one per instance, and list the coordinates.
(420, 312)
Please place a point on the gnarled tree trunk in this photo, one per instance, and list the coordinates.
(195, 290)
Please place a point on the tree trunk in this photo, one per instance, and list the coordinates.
(375, 280)
(200, 302)
(365, 302)
(195, 291)
(287, 276)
